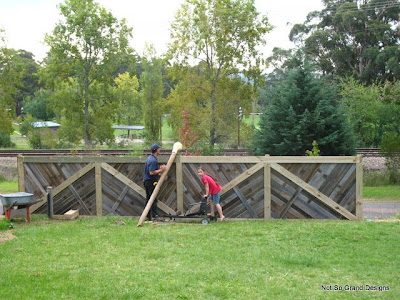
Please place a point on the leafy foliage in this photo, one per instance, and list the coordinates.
(6, 224)
(10, 80)
(391, 150)
(86, 47)
(152, 92)
(303, 108)
(29, 79)
(314, 151)
(6, 128)
(372, 110)
(220, 37)
(42, 138)
(186, 136)
(352, 38)
(26, 126)
(39, 106)
(191, 94)
(130, 111)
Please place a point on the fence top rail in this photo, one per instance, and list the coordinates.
(193, 159)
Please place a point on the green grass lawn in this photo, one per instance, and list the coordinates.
(389, 193)
(7, 187)
(280, 259)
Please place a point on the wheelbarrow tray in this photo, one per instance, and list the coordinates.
(16, 199)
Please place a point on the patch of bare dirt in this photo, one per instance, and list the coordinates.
(6, 236)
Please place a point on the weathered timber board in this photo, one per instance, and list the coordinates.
(242, 177)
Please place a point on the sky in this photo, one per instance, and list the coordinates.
(26, 22)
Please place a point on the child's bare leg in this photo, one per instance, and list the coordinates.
(219, 209)
(212, 213)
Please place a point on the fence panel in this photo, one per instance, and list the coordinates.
(253, 187)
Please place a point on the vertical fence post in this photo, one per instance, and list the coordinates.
(267, 188)
(359, 186)
(99, 196)
(179, 184)
(21, 173)
(50, 202)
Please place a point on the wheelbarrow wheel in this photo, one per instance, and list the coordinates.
(204, 221)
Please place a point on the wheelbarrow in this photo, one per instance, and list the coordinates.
(195, 211)
(19, 200)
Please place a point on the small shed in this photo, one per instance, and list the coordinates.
(46, 124)
(129, 128)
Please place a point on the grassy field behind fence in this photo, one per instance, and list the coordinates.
(281, 259)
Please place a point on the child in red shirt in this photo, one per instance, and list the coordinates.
(214, 190)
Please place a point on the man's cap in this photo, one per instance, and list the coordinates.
(154, 147)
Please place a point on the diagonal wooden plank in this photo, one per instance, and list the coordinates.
(297, 193)
(230, 185)
(64, 185)
(121, 177)
(246, 204)
(73, 190)
(34, 179)
(119, 200)
(134, 186)
(313, 191)
(123, 193)
(290, 203)
(79, 199)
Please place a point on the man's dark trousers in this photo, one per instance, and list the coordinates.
(150, 186)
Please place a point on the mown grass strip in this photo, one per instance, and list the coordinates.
(280, 259)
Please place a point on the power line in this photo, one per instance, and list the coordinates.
(382, 5)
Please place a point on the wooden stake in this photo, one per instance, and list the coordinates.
(177, 147)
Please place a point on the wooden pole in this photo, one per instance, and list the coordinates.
(177, 147)
(359, 187)
(50, 210)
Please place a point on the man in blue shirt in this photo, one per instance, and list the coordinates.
(151, 176)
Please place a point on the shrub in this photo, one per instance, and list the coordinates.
(314, 151)
(6, 224)
(378, 178)
(5, 140)
(26, 126)
(391, 150)
(209, 150)
(43, 139)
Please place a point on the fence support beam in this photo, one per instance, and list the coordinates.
(267, 191)
(21, 173)
(179, 184)
(359, 187)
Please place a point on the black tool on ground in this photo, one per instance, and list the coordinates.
(195, 211)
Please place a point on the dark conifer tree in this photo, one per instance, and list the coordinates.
(304, 107)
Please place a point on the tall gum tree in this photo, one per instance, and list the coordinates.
(152, 94)
(224, 36)
(353, 37)
(88, 45)
(11, 72)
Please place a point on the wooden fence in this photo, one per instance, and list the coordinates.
(253, 187)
